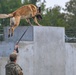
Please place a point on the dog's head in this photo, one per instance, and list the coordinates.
(38, 15)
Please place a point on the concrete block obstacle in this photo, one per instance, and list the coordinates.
(18, 33)
(49, 51)
(45, 54)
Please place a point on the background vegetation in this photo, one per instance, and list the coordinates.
(51, 16)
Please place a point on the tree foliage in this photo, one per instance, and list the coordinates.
(71, 17)
(8, 6)
(51, 16)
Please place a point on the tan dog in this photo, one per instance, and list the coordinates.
(25, 12)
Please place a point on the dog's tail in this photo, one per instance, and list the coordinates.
(6, 15)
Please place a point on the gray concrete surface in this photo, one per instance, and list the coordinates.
(47, 54)
(18, 33)
(3, 61)
(49, 51)
(6, 48)
(25, 57)
(70, 58)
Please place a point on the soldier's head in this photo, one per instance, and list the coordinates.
(13, 57)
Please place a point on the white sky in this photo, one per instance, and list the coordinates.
(52, 3)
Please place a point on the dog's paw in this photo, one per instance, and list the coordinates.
(40, 25)
(11, 34)
(8, 35)
(31, 25)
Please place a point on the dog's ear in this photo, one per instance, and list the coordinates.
(39, 9)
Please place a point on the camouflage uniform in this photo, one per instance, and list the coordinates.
(13, 69)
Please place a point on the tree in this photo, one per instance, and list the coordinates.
(71, 17)
(33, 2)
(53, 17)
(7, 7)
(71, 6)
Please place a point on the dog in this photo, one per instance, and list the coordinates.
(25, 12)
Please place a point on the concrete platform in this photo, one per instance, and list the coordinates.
(28, 36)
(45, 55)
(49, 51)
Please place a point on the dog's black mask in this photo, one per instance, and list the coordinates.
(39, 16)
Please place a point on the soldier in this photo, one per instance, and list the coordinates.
(12, 68)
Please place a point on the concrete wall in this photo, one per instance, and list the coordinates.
(70, 58)
(49, 51)
(3, 61)
(45, 55)
(6, 48)
(28, 36)
(25, 57)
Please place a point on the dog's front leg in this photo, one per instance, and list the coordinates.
(28, 21)
(35, 20)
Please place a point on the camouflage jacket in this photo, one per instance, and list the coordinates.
(13, 69)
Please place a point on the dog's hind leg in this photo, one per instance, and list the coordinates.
(12, 23)
(16, 23)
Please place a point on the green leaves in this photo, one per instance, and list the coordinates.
(71, 17)
(51, 16)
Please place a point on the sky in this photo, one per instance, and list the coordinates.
(52, 3)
